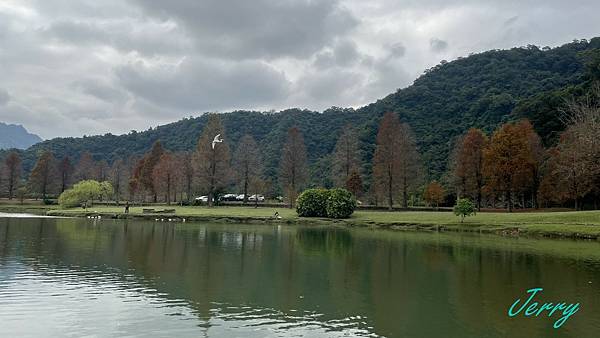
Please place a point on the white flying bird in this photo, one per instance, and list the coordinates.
(216, 140)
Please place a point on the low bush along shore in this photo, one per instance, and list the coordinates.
(580, 224)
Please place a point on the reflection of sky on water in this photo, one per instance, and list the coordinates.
(46, 302)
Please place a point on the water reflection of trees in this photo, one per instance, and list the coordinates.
(324, 240)
(405, 284)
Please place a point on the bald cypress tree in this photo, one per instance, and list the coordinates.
(293, 168)
(65, 173)
(396, 162)
(43, 175)
(346, 157)
(212, 164)
(248, 163)
(13, 169)
(146, 173)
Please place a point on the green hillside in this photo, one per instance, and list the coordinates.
(481, 90)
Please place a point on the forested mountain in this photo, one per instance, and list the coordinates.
(481, 90)
(16, 136)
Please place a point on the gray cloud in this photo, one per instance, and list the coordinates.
(438, 45)
(342, 54)
(511, 20)
(143, 36)
(101, 90)
(198, 83)
(330, 86)
(93, 66)
(258, 29)
(4, 97)
(397, 50)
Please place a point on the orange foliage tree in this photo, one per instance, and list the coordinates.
(510, 162)
(354, 184)
(434, 194)
(166, 173)
(467, 166)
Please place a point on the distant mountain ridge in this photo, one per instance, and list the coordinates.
(16, 136)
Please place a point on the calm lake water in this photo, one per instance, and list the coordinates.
(80, 277)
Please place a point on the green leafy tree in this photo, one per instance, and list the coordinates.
(84, 193)
(464, 207)
(106, 190)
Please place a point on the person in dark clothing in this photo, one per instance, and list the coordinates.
(127, 207)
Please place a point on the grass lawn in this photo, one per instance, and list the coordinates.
(411, 217)
(564, 223)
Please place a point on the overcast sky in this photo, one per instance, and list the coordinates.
(69, 68)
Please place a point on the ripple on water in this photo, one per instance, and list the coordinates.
(41, 300)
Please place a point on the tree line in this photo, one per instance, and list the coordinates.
(510, 168)
(481, 90)
(161, 175)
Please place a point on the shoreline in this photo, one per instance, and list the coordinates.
(583, 225)
(505, 230)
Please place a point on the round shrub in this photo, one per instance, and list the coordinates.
(312, 203)
(340, 203)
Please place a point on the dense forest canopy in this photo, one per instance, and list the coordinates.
(481, 91)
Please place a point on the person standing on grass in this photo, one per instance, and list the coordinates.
(127, 207)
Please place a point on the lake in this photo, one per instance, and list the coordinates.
(82, 277)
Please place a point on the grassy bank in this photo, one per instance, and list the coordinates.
(581, 224)
(26, 208)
